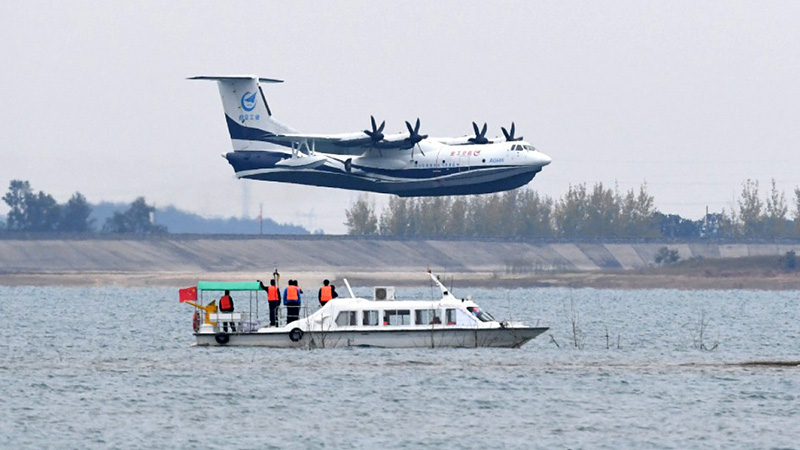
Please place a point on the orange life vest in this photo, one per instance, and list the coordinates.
(292, 293)
(272, 294)
(225, 303)
(325, 293)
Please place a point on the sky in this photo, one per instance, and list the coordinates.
(691, 98)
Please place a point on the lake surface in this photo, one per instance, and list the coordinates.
(109, 367)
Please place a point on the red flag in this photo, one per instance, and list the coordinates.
(189, 293)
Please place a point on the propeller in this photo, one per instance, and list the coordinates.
(414, 137)
(480, 135)
(510, 136)
(377, 131)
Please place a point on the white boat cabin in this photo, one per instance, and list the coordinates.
(360, 313)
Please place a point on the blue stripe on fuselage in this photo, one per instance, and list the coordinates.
(239, 131)
(259, 159)
(415, 173)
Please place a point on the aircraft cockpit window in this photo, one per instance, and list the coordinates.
(516, 147)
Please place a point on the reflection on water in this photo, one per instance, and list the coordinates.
(115, 367)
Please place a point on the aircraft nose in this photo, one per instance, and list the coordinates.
(541, 159)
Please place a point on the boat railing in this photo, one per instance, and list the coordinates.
(234, 322)
(243, 321)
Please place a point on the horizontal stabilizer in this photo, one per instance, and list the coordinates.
(235, 78)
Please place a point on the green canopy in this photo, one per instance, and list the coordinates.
(228, 286)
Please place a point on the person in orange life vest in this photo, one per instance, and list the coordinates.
(326, 292)
(292, 300)
(226, 306)
(274, 299)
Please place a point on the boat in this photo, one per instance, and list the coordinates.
(382, 321)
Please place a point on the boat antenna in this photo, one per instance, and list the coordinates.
(348, 288)
(438, 283)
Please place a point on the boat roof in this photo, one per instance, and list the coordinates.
(228, 286)
(346, 303)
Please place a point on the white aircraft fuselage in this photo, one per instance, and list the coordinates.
(405, 164)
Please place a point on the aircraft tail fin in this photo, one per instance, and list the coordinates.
(247, 113)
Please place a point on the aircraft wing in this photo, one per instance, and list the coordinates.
(343, 143)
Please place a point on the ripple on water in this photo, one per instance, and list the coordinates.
(115, 367)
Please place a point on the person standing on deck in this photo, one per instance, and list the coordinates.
(326, 292)
(226, 306)
(274, 299)
(292, 300)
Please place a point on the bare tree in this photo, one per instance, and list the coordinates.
(797, 211)
(777, 209)
(602, 212)
(396, 217)
(484, 215)
(361, 219)
(637, 211)
(751, 209)
(570, 212)
(535, 215)
(431, 213)
(455, 223)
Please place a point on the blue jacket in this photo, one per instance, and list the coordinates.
(288, 302)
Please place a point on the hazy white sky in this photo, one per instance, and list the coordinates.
(691, 97)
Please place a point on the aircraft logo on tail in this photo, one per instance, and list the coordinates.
(249, 101)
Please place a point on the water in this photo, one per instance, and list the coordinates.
(114, 367)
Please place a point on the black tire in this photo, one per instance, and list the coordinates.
(296, 334)
(222, 338)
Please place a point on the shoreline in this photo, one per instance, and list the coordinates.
(597, 280)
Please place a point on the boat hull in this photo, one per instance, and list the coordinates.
(509, 337)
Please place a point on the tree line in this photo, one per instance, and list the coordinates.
(39, 212)
(583, 212)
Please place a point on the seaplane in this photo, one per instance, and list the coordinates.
(407, 164)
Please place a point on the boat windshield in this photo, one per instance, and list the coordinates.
(482, 315)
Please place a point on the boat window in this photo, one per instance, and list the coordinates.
(427, 317)
(346, 318)
(450, 316)
(481, 314)
(397, 317)
(370, 318)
